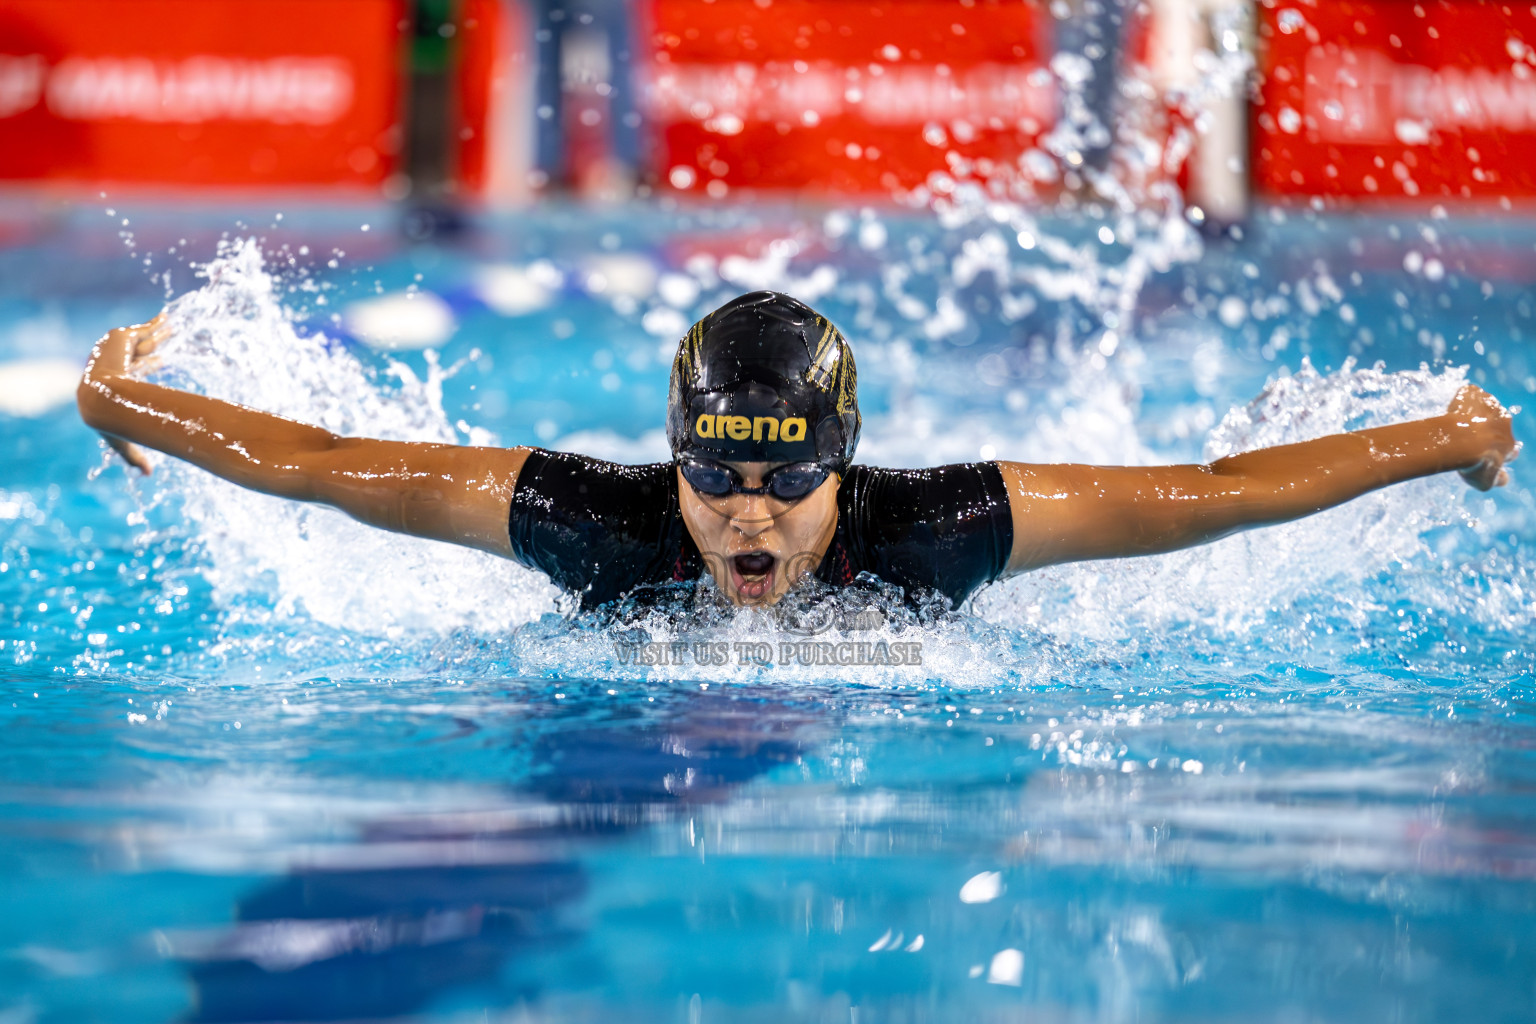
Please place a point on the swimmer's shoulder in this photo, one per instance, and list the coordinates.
(583, 477)
(596, 528)
(946, 529)
(927, 493)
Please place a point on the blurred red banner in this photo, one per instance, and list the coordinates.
(493, 94)
(206, 92)
(842, 95)
(1394, 98)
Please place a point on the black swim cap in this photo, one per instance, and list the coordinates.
(764, 378)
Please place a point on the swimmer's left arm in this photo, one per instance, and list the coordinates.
(1071, 513)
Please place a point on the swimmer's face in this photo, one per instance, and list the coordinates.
(758, 547)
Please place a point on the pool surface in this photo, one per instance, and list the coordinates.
(263, 764)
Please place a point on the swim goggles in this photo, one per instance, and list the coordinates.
(789, 482)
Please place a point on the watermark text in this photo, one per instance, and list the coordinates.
(720, 653)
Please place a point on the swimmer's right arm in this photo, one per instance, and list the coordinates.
(451, 493)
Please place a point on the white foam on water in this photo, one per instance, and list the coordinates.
(850, 638)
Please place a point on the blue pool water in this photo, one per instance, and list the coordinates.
(260, 763)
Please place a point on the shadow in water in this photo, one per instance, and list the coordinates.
(428, 904)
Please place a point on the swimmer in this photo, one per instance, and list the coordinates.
(762, 492)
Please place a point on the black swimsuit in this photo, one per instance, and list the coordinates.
(599, 529)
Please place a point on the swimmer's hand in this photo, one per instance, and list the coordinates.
(1489, 429)
(124, 352)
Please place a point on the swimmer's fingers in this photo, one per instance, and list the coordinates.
(148, 337)
(1502, 479)
(1487, 473)
(131, 453)
(121, 348)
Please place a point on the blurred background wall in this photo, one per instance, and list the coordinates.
(451, 104)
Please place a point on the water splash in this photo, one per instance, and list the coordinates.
(287, 576)
(1138, 223)
(268, 559)
(1329, 564)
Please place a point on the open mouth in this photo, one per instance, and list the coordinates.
(753, 574)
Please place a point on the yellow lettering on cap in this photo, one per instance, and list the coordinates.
(792, 429)
(739, 427)
(705, 427)
(757, 428)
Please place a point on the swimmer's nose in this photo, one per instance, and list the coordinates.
(751, 516)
